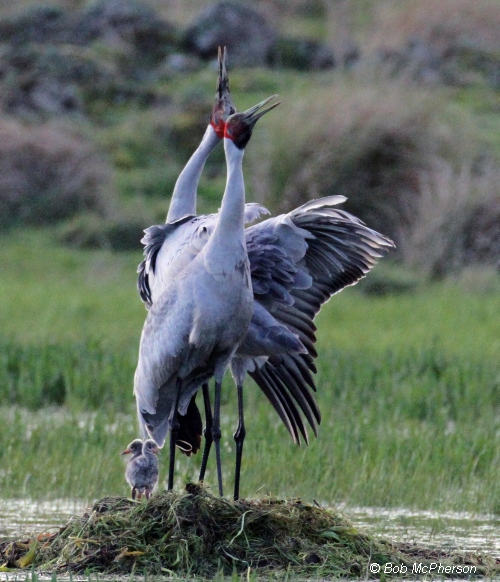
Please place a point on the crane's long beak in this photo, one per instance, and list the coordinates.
(223, 106)
(239, 126)
(223, 80)
(252, 115)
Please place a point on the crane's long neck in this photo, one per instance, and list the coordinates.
(226, 247)
(184, 196)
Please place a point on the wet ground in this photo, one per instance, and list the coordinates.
(23, 517)
(447, 531)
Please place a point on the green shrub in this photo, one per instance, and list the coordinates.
(47, 175)
(408, 163)
(121, 232)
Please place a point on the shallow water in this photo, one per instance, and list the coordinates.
(450, 530)
(460, 531)
(24, 517)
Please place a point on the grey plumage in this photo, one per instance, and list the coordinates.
(202, 313)
(298, 261)
(169, 248)
(142, 469)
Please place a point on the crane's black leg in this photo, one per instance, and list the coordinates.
(216, 434)
(207, 432)
(239, 437)
(174, 428)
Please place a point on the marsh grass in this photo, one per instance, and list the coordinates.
(408, 388)
(411, 428)
(197, 534)
(76, 375)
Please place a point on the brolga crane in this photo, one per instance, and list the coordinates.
(194, 327)
(170, 247)
(298, 261)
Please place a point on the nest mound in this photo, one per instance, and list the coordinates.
(197, 534)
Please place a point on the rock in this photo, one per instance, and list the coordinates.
(59, 79)
(244, 31)
(55, 62)
(418, 58)
(456, 62)
(48, 79)
(129, 25)
(304, 55)
(35, 24)
(132, 22)
(181, 63)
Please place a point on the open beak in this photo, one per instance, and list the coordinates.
(252, 115)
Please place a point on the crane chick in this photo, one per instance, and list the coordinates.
(142, 469)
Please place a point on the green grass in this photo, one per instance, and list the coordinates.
(412, 429)
(80, 376)
(408, 386)
(447, 317)
(54, 294)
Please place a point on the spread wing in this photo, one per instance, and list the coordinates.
(298, 261)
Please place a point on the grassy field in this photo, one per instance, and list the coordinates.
(408, 386)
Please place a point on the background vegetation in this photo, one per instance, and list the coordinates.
(92, 137)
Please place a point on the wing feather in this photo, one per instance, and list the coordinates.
(298, 261)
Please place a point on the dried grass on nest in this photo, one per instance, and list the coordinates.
(198, 534)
